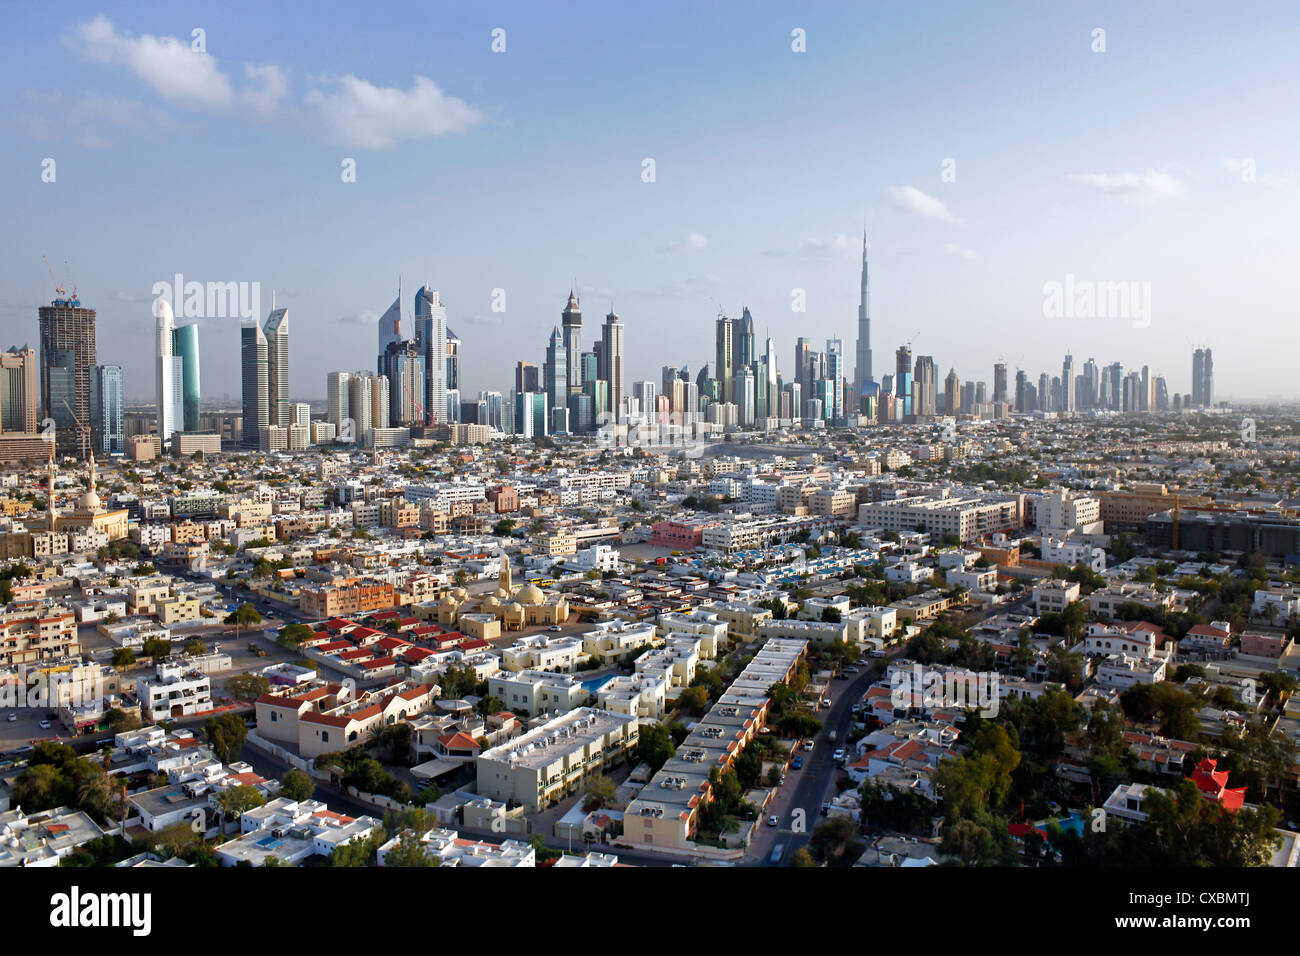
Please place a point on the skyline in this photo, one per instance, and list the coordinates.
(1111, 194)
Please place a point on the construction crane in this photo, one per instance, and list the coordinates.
(58, 289)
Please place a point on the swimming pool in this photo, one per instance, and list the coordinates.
(595, 683)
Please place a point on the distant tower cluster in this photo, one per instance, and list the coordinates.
(264, 366)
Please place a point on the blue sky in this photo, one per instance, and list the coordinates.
(522, 171)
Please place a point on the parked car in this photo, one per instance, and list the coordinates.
(796, 763)
(555, 628)
(777, 855)
(826, 701)
(853, 669)
(807, 745)
(12, 717)
(44, 725)
(773, 820)
(839, 755)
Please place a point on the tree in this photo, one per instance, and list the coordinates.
(655, 746)
(157, 648)
(599, 793)
(122, 658)
(237, 801)
(410, 852)
(490, 705)
(247, 686)
(296, 785)
(831, 615)
(195, 647)
(292, 635)
(243, 616)
(225, 734)
(836, 842)
(693, 700)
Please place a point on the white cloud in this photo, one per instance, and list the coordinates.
(692, 243)
(364, 318)
(1141, 188)
(952, 249)
(176, 72)
(267, 87)
(837, 245)
(910, 199)
(358, 113)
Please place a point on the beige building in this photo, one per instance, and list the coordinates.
(552, 761)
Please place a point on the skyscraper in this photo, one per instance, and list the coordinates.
(526, 379)
(1202, 378)
(390, 329)
(862, 375)
(571, 324)
(67, 358)
(1000, 382)
(253, 358)
(556, 372)
(169, 374)
(336, 393)
(903, 381)
(186, 347)
(609, 362)
(18, 378)
(1068, 393)
(724, 357)
(431, 337)
(277, 368)
(107, 402)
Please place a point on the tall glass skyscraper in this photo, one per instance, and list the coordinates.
(187, 348)
(863, 383)
(107, 401)
(431, 337)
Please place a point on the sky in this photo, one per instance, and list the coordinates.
(990, 153)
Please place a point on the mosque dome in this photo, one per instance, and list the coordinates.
(530, 594)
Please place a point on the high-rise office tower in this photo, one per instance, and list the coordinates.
(1091, 383)
(169, 374)
(1068, 396)
(336, 394)
(1161, 394)
(1147, 394)
(361, 403)
(835, 374)
(186, 347)
(1045, 392)
(926, 387)
(571, 325)
(802, 359)
(18, 389)
(556, 373)
(1022, 383)
(254, 358)
(1202, 395)
(1117, 387)
(277, 367)
(404, 365)
(431, 337)
(453, 361)
(745, 339)
(67, 359)
(1000, 382)
(107, 404)
(724, 356)
(390, 329)
(862, 380)
(526, 378)
(903, 380)
(609, 362)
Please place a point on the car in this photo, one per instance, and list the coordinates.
(839, 755)
(12, 717)
(796, 763)
(877, 653)
(554, 628)
(826, 701)
(807, 745)
(44, 725)
(851, 670)
(777, 855)
(773, 820)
